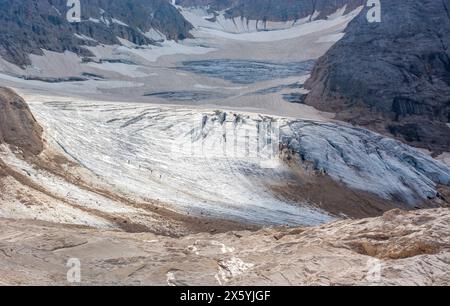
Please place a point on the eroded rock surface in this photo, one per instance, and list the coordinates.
(18, 127)
(28, 26)
(392, 76)
(398, 248)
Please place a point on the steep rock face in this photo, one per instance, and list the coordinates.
(367, 161)
(275, 10)
(392, 76)
(18, 128)
(27, 26)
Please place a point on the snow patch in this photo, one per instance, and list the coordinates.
(332, 38)
(121, 68)
(155, 35)
(116, 21)
(84, 37)
(153, 53)
(290, 32)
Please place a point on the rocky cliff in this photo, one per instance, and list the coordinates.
(28, 26)
(392, 76)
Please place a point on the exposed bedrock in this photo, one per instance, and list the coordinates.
(18, 127)
(28, 26)
(396, 249)
(392, 76)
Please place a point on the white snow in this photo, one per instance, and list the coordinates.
(54, 64)
(163, 152)
(124, 69)
(10, 68)
(22, 202)
(206, 161)
(116, 21)
(105, 20)
(155, 35)
(367, 161)
(146, 151)
(126, 43)
(71, 88)
(200, 18)
(95, 20)
(294, 31)
(153, 53)
(57, 186)
(339, 13)
(84, 37)
(333, 38)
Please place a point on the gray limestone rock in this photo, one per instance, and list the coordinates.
(392, 76)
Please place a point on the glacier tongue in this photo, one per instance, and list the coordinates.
(220, 164)
(367, 161)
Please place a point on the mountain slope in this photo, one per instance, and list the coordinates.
(18, 128)
(227, 164)
(40, 181)
(275, 10)
(28, 26)
(392, 76)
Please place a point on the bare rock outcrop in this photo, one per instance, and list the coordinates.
(275, 10)
(392, 76)
(29, 26)
(399, 248)
(18, 127)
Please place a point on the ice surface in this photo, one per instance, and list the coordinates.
(150, 152)
(367, 161)
(210, 162)
(248, 72)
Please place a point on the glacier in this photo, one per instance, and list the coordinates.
(218, 164)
